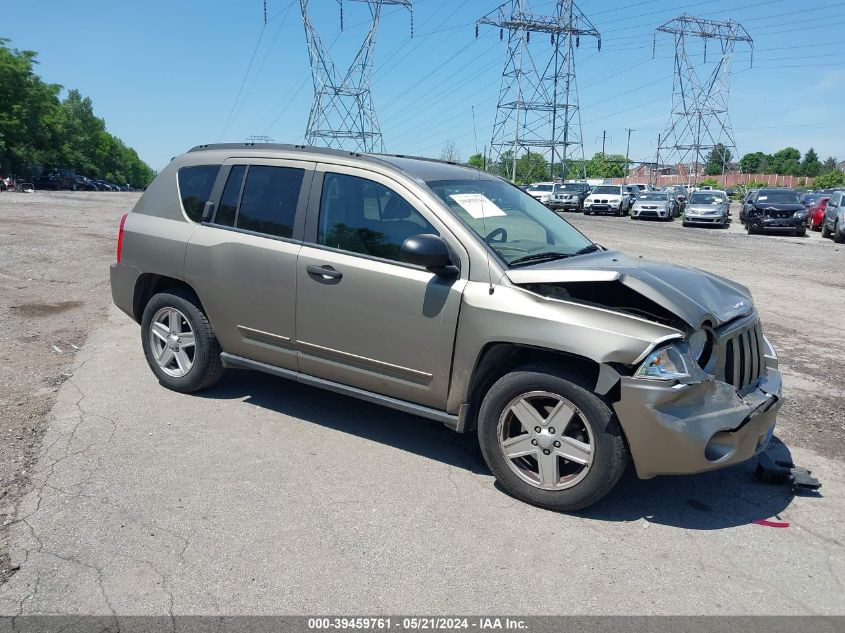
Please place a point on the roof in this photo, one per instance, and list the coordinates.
(425, 169)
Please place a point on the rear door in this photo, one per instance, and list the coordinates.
(364, 318)
(242, 259)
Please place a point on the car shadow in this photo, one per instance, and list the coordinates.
(708, 501)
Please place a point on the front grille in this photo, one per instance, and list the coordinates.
(781, 215)
(742, 355)
(648, 214)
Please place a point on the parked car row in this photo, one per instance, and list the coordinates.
(58, 180)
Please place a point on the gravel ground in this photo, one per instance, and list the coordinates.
(56, 249)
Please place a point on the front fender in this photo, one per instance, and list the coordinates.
(515, 315)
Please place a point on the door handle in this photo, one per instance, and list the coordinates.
(325, 271)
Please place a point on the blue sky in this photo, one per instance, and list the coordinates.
(165, 75)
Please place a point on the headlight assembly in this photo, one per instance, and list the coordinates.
(800, 214)
(666, 363)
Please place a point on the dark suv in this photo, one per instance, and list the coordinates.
(448, 293)
(777, 210)
(569, 196)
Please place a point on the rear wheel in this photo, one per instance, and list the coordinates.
(549, 441)
(178, 342)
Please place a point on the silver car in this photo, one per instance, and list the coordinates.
(711, 207)
(448, 293)
(657, 205)
(833, 224)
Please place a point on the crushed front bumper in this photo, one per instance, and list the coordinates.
(765, 223)
(682, 429)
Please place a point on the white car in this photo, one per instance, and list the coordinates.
(613, 199)
(542, 191)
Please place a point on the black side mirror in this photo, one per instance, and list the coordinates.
(428, 251)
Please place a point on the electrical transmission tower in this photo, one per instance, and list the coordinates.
(538, 99)
(342, 115)
(699, 121)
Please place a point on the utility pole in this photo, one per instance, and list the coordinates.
(342, 114)
(656, 162)
(627, 150)
(538, 98)
(699, 119)
(603, 138)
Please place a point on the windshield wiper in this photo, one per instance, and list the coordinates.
(536, 257)
(590, 248)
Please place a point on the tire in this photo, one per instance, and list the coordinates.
(205, 367)
(801, 233)
(685, 223)
(837, 234)
(825, 230)
(538, 387)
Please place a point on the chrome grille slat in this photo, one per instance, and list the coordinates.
(742, 362)
(745, 358)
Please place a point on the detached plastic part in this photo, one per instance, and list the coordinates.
(783, 473)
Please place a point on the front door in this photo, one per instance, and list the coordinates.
(364, 318)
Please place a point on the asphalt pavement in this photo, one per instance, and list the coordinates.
(266, 497)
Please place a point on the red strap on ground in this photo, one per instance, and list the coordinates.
(767, 523)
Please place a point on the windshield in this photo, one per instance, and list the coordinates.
(705, 198)
(652, 196)
(777, 197)
(514, 224)
(606, 189)
(576, 188)
(539, 188)
(810, 198)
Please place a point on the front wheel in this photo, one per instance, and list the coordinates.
(178, 342)
(549, 441)
(837, 234)
(825, 230)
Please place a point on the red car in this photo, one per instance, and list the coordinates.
(815, 214)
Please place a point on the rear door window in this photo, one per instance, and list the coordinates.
(269, 199)
(228, 208)
(195, 184)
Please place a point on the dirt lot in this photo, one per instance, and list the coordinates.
(56, 249)
(54, 291)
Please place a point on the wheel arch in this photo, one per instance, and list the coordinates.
(150, 284)
(499, 358)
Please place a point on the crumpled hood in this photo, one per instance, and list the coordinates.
(693, 295)
(766, 206)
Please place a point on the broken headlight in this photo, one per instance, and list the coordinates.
(666, 363)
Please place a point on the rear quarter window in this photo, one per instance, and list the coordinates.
(195, 185)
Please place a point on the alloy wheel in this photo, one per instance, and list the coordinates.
(546, 440)
(172, 342)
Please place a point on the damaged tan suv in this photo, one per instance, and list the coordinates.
(451, 294)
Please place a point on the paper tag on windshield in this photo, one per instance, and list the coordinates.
(477, 205)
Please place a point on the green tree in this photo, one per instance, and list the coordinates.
(753, 163)
(829, 165)
(717, 160)
(811, 165)
(829, 180)
(39, 129)
(786, 162)
(477, 161)
(532, 167)
(607, 166)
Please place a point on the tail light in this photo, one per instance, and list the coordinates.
(120, 236)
